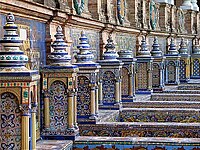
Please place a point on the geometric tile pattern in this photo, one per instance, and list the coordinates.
(182, 73)
(125, 81)
(171, 72)
(10, 122)
(156, 75)
(196, 67)
(84, 96)
(109, 87)
(142, 76)
(58, 107)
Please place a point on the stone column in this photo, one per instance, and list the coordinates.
(92, 101)
(33, 114)
(75, 109)
(46, 112)
(195, 6)
(187, 5)
(130, 89)
(117, 91)
(25, 126)
(100, 92)
(97, 100)
(70, 110)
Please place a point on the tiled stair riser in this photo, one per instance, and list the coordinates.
(160, 115)
(163, 104)
(175, 97)
(139, 129)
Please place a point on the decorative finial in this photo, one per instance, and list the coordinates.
(172, 48)
(144, 51)
(110, 53)
(11, 55)
(84, 55)
(10, 18)
(183, 47)
(59, 57)
(196, 47)
(110, 45)
(156, 48)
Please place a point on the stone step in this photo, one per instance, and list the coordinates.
(162, 104)
(54, 145)
(160, 115)
(192, 86)
(141, 129)
(136, 143)
(182, 92)
(174, 97)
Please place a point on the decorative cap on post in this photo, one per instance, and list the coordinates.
(183, 47)
(11, 55)
(156, 48)
(196, 47)
(84, 55)
(172, 48)
(144, 51)
(110, 53)
(59, 57)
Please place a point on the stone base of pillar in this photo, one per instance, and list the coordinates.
(116, 106)
(87, 120)
(128, 98)
(70, 135)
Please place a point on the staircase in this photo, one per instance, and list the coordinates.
(167, 120)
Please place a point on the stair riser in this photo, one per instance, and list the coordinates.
(160, 116)
(131, 130)
(161, 105)
(175, 97)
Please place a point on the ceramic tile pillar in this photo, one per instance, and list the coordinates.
(18, 90)
(110, 78)
(195, 60)
(187, 5)
(58, 87)
(172, 65)
(87, 82)
(128, 77)
(144, 69)
(158, 67)
(184, 73)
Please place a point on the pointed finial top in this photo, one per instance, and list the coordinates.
(110, 45)
(172, 47)
(156, 48)
(59, 29)
(183, 47)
